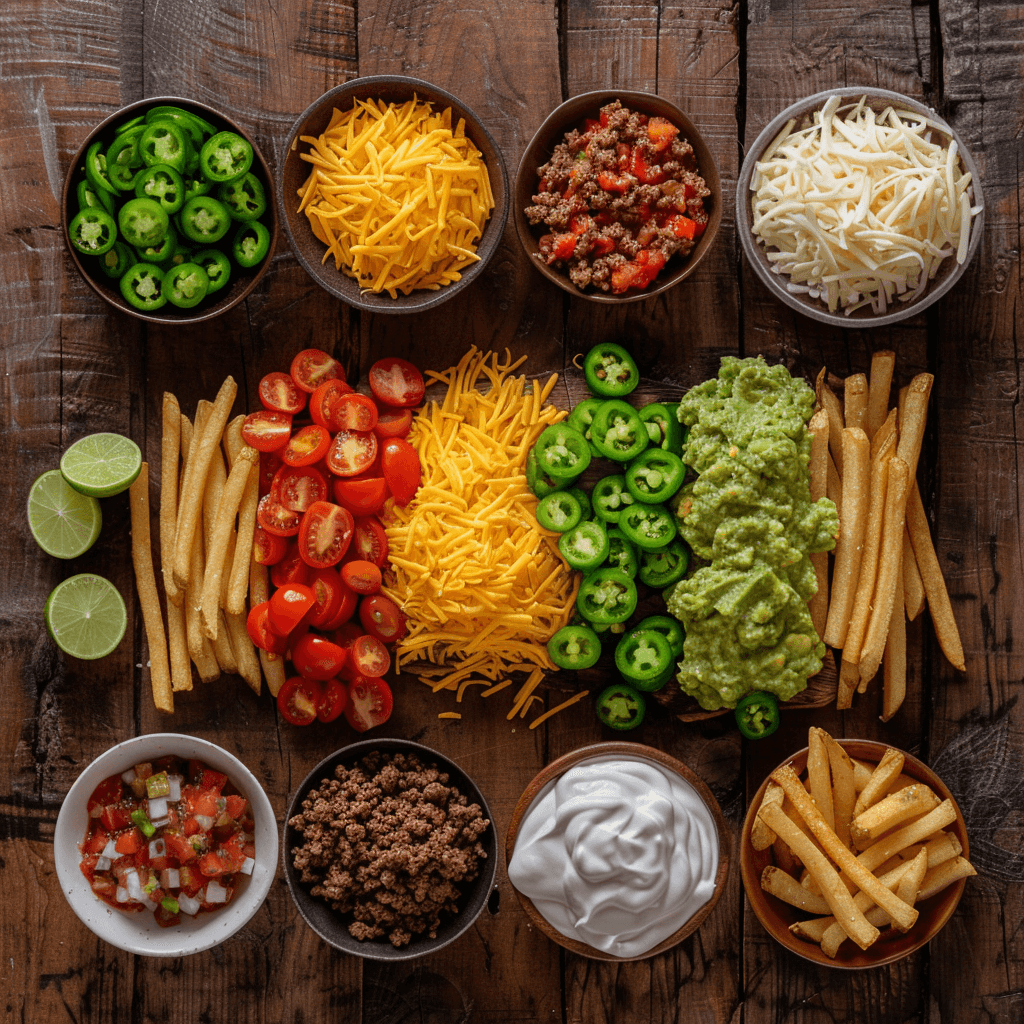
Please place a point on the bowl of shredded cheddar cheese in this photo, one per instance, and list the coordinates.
(393, 194)
(859, 207)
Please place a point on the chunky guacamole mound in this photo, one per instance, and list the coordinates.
(750, 515)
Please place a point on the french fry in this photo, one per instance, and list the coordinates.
(894, 666)
(232, 440)
(945, 874)
(834, 411)
(786, 888)
(850, 545)
(913, 419)
(814, 929)
(861, 775)
(177, 644)
(216, 477)
(891, 811)
(880, 383)
(887, 769)
(819, 775)
(855, 401)
(245, 652)
(888, 846)
(761, 836)
(844, 795)
(913, 586)
(223, 651)
(238, 578)
(818, 469)
(189, 504)
(149, 600)
(170, 448)
(833, 484)
(784, 856)
(934, 584)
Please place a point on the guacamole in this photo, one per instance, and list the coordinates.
(749, 515)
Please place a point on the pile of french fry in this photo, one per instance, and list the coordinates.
(207, 520)
(864, 457)
(859, 844)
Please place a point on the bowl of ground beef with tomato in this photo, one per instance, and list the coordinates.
(617, 197)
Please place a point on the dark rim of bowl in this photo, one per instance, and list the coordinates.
(490, 240)
(110, 295)
(528, 167)
(814, 308)
(478, 890)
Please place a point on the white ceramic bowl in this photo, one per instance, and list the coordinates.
(139, 932)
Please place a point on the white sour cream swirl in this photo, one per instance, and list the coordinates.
(618, 853)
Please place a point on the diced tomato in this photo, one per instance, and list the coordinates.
(332, 702)
(603, 119)
(191, 827)
(178, 847)
(644, 170)
(401, 465)
(326, 586)
(307, 446)
(682, 227)
(602, 246)
(298, 699)
(96, 841)
(279, 393)
(315, 657)
(397, 382)
(369, 703)
(623, 152)
(206, 804)
(268, 548)
(276, 519)
(107, 792)
(369, 541)
(297, 487)
(236, 805)
(257, 625)
(321, 402)
(353, 412)
(267, 431)
(393, 422)
(115, 818)
(129, 842)
(289, 607)
(580, 223)
(661, 133)
(610, 182)
(325, 534)
(290, 569)
(650, 263)
(352, 452)
(382, 618)
(591, 125)
(311, 367)
(562, 247)
(361, 495)
(362, 576)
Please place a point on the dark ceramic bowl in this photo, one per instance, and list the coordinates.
(776, 916)
(242, 280)
(331, 926)
(313, 121)
(571, 115)
(949, 271)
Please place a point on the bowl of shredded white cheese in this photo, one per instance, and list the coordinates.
(859, 207)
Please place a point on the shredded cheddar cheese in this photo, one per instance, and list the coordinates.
(482, 584)
(397, 195)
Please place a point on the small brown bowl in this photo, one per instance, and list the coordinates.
(626, 750)
(243, 280)
(571, 115)
(310, 250)
(891, 945)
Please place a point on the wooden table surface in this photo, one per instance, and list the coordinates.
(73, 367)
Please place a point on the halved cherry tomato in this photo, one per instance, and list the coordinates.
(352, 452)
(363, 577)
(270, 463)
(369, 703)
(297, 487)
(267, 431)
(325, 534)
(326, 586)
(401, 467)
(332, 700)
(311, 367)
(276, 519)
(257, 625)
(346, 609)
(290, 569)
(298, 700)
(268, 548)
(290, 606)
(353, 412)
(370, 541)
(370, 657)
(347, 634)
(316, 657)
(393, 422)
(382, 618)
(309, 445)
(396, 382)
(321, 402)
(279, 393)
(361, 495)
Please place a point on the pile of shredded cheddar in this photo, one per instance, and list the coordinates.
(482, 585)
(397, 195)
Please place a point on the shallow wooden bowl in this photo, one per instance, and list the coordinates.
(571, 115)
(626, 750)
(310, 250)
(243, 280)
(891, 945)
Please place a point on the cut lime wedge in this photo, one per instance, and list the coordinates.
(102, 464)
(64, 522)
(86, 616)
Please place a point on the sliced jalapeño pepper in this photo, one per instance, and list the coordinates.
(663, 426)
(127, 126)
(757, 715)
(244, 198)
(538, 481)
(114, 262)
(610, 371)
(585, 546)
(185, 286)
(562, 452)
(162, 183)
(217, 267)
(251, 242)
(92, 231)
(671, 629)
(162, 251)
(617, 431)
(143, 222)
(164, 142)
(611, 498)
(644, 659)
(586, 511)
(560, 511)
(184, 121)
(574, 647)
(667, 565)
(606, 596)
(621, 707)
(123, 159)
(582, 417)
(204, 220)
(140, 286)
(622, 553)
(649, 527)
(196, 187)
(225, 157)
(654, 476)
(96, 169)
(98, 199)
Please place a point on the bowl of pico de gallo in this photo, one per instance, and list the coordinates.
(166, 845)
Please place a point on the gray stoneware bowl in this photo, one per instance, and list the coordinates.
(949, 272)
(571, 115)
(331, 926)
(310, 250)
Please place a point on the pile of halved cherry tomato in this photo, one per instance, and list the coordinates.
(323, 489)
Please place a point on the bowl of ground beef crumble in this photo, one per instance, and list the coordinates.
(389, 850)
(617, 197)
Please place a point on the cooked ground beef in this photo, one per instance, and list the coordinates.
(390, 842)
(612, 191)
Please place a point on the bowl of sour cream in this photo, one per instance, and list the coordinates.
(617, 851)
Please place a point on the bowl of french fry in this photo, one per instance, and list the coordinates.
(853, 854)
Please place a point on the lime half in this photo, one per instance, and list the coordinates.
(85, 616)
(102, 464)
(64, 522)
